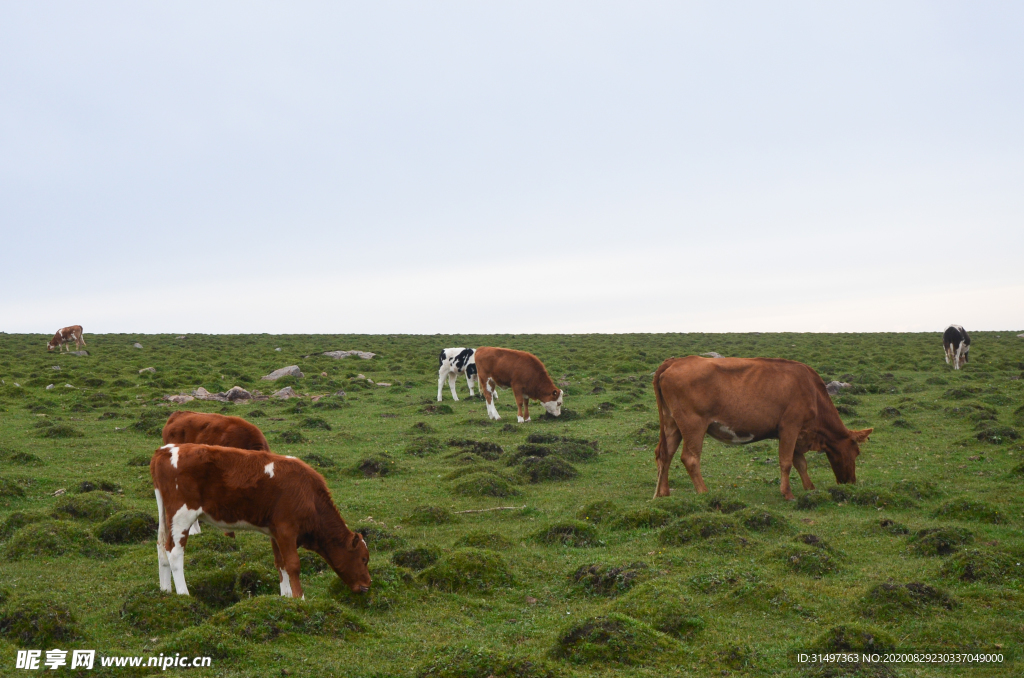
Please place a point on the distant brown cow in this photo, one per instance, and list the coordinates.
(521, 371)
(233, 489)
(213, 429)
(743, 400)
(65, 336)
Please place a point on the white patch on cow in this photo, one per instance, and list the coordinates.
(269, 469)
(174, 456)
(168, 445)
(521, 420)
(554, 407)
(720, 431)
(492, 411)
(181, 523)
(290, 457)
(286, 584)
(161, 540)
(195, 529)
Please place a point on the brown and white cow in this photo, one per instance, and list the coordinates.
(743, 400)
(235, 489)
(524, 373)
(184, 426)
(65, 336)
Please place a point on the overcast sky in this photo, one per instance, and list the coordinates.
(511, 167)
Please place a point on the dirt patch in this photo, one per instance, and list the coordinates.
(468, 569)
(600, 579)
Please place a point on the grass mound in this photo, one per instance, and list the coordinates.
(997, 435)
(93, 485)
(485, 540)
(572, 449)
(699, 526)
(379, 539)
(18, 520)
(809, 501)
(679, 505)
(867, 496)
(541, 469)
(892, 527)
(419, 558)
(468, 569)
(375, 466)
(318, 461)
(854, 638)
(643, 518)
(885, 601)
(762, 520)
(569, 533)
(9, 488)
(480, 663)
(598, 512)
(215, 588)
(54, 538)
(91, 506)
(38, 622)
(204, 640)
(310, 563)
(807, 560)
(611, 639)
(424, 447)
(127, 527)
(291, 437)
(255, 580)
(315, 424)
(939, 541)
(484, 485)
(600, 579)
(149, 610)
(21, 458)
(723, 504)
(916, 489)
(61, 431)
(267, 617)
(976, 565)
(970, 510)
(489, 451)
(429, 515)
(388, 583)
(212, 540)
(662, 605)
(814, 540)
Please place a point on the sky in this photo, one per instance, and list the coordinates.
(467, 167)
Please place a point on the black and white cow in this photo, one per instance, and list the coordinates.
(957, 343)
(451, 363)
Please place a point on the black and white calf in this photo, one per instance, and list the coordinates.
(451, 363)
(957, 343)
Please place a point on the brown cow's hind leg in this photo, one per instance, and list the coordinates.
(668, 443)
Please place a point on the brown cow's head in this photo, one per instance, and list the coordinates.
(842, 455)
(50, 346)
(554, 406)
(350, 561)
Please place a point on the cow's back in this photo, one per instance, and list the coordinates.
(505, 364)
(213, 429)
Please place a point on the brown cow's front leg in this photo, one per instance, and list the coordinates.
(518, 395)
(286, 558)
(490, 393)
(800, 462)
(787, 445)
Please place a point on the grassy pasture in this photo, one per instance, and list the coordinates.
(591, 578)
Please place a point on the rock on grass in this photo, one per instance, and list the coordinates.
(939, 541)
(569, 534)
(612, 639)
(600, 579)
(149, 610)
(468, 569)
(38, 622)
(695, 527)
(265, 618)
(970, 510)
(854, 638)
(54, 538)
(484, 485)
(204, 640)
(485, 540)
(885, 601)
(978, 565)
(127, 527)
(480, 663)
(94, 506)
(419, 558)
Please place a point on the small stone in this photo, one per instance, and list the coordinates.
(337, 355)
(285, 393)
(59, 492)
(137, 345)
(712, 354)
(237, 393)
(56, 367)
(834, 387)
(323, 374)
(181, 337)
(290, 371)
(383, 383)
(277, 349)
(530, 600)
(50, 387)
(151, 370)
(180, 399)
(79, 353)
(340, 394)
(68, 386)
(360, 376)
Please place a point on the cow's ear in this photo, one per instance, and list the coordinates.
(555, 393)
(862, 435)
(356, 538)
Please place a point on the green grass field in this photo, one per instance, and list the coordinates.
(590, 577)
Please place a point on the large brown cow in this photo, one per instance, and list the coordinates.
(743, 400)
(524, 373)
(213, 429)
(65, 336)
(234, 489)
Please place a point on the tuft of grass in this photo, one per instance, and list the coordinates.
(698, 526)
(389, 583)
(807, 560)
(984, 565)
(318, 461)
(139, 460)
(540, 469)
(854, 638)
(484, 540)
(215, 588)
(644, 518)
(484, 485)
(149, 610)
(9, 488)
(723, 504)
(60, 431)
(429, 515)
(612, 639)
(375, 466)
(127, 527)
(255, 580)
(762, 520)
(813, 499)
(291, 437)
(265, 618)
(600, 579)
(464, 662)
(315, 424)
(487, 450)
(419, 558)
(598, 511)
(887, 601)
(916, 489)
(663, 605)
(38, 622)
(569, 533)
(49, 538)
(18, 520)
(867, 496)
(93, 506)
(468, 569)
(893, 527)
(939, 541)
(424, 447)
(379, 539)
(204, 640)
(21, 458)
(970, 510)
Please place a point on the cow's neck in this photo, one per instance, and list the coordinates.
(330, 531)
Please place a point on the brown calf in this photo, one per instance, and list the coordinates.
(65, 336)
(213, 429)
(521, 371)
(743, 400)
(235, 489)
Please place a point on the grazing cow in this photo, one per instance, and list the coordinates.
(65, 336)
(213, 429)
(521, 371)
(743, 400)
(234, 489)
(957, 343)
(451, 363)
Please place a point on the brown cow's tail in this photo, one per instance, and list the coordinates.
(663, 412)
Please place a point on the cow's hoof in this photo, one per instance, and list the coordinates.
(520, 420)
